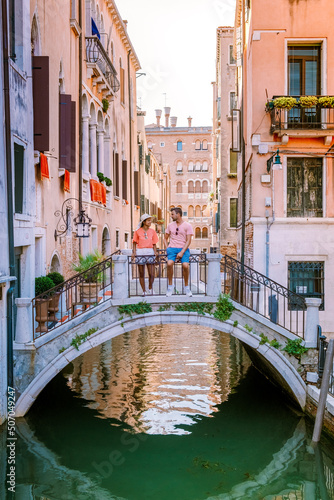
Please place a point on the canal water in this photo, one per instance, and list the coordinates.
(168, 413)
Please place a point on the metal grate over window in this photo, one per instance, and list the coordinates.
(306, 279)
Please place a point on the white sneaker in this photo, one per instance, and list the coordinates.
(143, 294)
(150, 291)
(188, 291)
(169, 292)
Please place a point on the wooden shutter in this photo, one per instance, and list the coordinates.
(125, 179)
(65, 132)
(41, 106)
(116, 174)
(19, 175)
(136, 180)
(73, 138)
(122, 84)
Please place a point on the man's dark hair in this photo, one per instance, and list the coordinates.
(177, 210)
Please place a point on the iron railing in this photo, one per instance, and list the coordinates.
(322, 347)
(73, 297)
(263, 295)
(312, 118)
(95, 53)
(158, 268)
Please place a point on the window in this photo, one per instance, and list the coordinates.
(233, 212)
(231, 56)
(198, 232)
(18, 177)
(205, 166)
(179, 146)
(150, 144)
(179, 187)
(190, 166)
(190, 187)
(306, 279)
(190, 211)
(205, 144)
(198, 144)
(198, 211)
(204, 232)
(304, 187)
(198, 166)
(203, 210)
(117, 238)
(205, 187)
(233, 102)
(233, 162)
(122, 81)
(179, 166)
(197, 187)
(126, 240)
(162, 144)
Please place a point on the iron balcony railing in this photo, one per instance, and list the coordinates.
(73, 297)
(263, 295)
(95, 53)
(311, 118)
(145, 265)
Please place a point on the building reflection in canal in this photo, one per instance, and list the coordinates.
(158, 379)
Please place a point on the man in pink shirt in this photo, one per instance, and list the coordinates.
(179, 234)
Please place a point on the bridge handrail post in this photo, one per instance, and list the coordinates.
(194, 267)
(120, 288)
(23, 330)
(312, 321)
(214, 280)
(128, 253)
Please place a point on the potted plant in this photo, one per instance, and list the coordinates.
(42, 285)
(108, 181)
(105, 105)
(100, 176)
(326, 101)
(285, 102)
(58, 280)
(92, 277)
(307, 101)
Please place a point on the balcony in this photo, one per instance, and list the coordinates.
(100, 67)
(301, 120)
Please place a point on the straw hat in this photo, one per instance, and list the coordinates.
(142, 219)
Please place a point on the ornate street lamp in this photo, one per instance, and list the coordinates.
(275, 162)
(82, 221)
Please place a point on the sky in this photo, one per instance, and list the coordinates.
(175, 41)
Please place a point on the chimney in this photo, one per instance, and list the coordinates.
(167, 113)
(189, 121)
(173, 120)
(158, 116)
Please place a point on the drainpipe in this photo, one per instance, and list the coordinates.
(243, 153)
(130, 149)
(80, 111)
(10, 209)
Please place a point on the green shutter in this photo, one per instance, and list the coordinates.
(18, 174)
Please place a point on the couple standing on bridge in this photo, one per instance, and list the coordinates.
(177, 241)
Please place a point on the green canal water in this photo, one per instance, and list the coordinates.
(167, 413)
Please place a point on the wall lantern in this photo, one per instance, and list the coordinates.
(275, 162)
(81, 222)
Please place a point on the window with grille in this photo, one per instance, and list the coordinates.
(304, 187)
(306, 279)
(233, 212)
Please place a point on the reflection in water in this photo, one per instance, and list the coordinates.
(159, 379)
(167, 413)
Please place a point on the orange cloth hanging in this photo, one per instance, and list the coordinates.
(103, 195)
(95, 191)
(43, 161)
(67, 181)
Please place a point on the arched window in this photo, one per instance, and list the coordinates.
(205, 187)
(179, 167)
(198, 144)
(55, 264)
(203, 211)
(179, 146)
(190, 187)
(205, 166)
(204, 232)
(198, 166)
(191, 166)
(198, 211)
(205, 144)
(106, 248)
(190, 211)
(171, 207)
(92, 142)
(198, 187)
(198, 232)
(179, 187)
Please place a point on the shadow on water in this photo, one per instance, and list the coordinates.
(252, 447)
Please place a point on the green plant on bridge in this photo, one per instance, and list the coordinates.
(131, 309)
(295, 348)
(248, 328)
(79, 339)
(165, 307)
(198, 307)
(274, 343)
(264, 338)
(224, 308)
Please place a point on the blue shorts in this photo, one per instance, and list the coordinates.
(172, 253)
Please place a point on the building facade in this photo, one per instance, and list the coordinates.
(188, 152)
(224, 158)
(286, 78)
